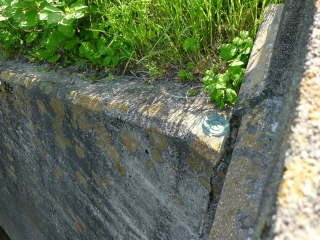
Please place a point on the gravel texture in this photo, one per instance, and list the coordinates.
(298, 203)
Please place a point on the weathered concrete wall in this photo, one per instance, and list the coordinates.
(125, 159)
(291, 202)
(118, 159)
(278, 136)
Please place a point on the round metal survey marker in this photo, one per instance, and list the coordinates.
(214, 125)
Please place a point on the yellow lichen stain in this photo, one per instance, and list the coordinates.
(298, 182)
(8, 146)
(250, 141)
(81, 179)
(216, 190)
(97, 179)
(106, 180)
(78, 227)
(41, 107)
(209, 168)
(18, 103)
(129, 142)
(113, 105)
(120, 169)
(27, 101)
(157, 138)
(28, 82)
(154, 109)
(83, 225)
(42, 151)
(79, 118)
(150, 165)
(195, 164)
(48, 89)
(76, 139)
(67, 211)
(6, 75)
(205, 182)
(10, 157)
(156, 155)
(58, 107)
(57, 172)
(202, 151)
(180, 200)
(63, 142)
(38, 232)
(74, 124)
(90, 102)
(80, 152)
(115, 158)
(102, 136)
(124, 108)
(72, 95)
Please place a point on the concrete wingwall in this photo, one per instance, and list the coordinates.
(126, 159)
(277, 142)
(121, 159)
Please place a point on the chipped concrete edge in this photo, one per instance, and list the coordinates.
(236, 212)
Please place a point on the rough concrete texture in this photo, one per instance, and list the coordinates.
(258, 113)
(291, 210)
(118, 159)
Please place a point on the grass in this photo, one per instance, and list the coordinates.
(156, 37)
(158, 30)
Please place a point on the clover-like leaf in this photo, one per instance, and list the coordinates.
(228, 51)
(237, 41)
(244, 34)
(231, 95)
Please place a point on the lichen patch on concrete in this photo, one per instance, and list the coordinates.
(156, 137)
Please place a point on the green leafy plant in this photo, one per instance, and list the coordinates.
(193, 92)
(125, 34)
(59, 31)
(187, 73)
(224, 86)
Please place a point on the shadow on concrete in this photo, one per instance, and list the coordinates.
(3, 235)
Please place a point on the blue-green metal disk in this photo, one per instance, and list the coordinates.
(215, 125)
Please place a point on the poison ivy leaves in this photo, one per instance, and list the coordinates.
(223, 87)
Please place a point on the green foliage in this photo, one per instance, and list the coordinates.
(58, 31)
(224, 86)
(187, 73)
(193, 92)
(125, 32)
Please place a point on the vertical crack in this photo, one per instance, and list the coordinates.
(220, 173)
